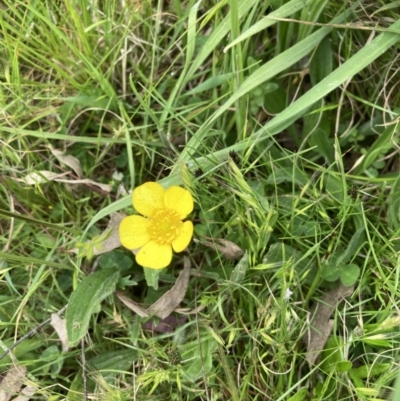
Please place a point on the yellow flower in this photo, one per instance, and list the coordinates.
(162, 228)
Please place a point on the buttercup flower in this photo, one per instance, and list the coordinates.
(161, 229)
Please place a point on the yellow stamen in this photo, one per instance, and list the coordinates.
(164, 226)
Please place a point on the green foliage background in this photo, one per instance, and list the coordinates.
(305, 95)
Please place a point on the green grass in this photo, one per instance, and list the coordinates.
(305, 93)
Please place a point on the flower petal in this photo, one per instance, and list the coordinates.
(148, 197)
(154, 256)
(133, 232)
(181, 242)
(180, 200)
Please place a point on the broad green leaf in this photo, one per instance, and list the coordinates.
(23, 351)
(332, 353)
(120, 360)
(343, 366)
(334, 186)
(357, 240)
(384, 143)
(151, 276)
(45, 240)
(85, 300)
(300, 395)
(394, 205)
(349, 274)
(331, 273)
(200, 364)
(239, 272)
(317, 130)
(378, 342)
(116, 260)
(366, 371)
(321, 64)
(55, 360)
(108, 364)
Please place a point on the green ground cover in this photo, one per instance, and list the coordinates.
(281, 119)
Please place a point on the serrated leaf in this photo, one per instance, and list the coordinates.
(85, 300)
(151, 276)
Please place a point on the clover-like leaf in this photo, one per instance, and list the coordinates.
(349, 274)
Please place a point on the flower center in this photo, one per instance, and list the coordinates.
(164, 226)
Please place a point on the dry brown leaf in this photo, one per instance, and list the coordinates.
(12, 382)
(103, 187)
(110, 234)
(68, 160)
(43, 176)
(59, 325)
(112, 240)
(133, 306)
(166, 325)
(188, 311)
(169, 301)
(321, 324)
(26, 394)
(228, 248)
(172, 298)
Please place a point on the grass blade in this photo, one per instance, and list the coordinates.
(287, 9)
